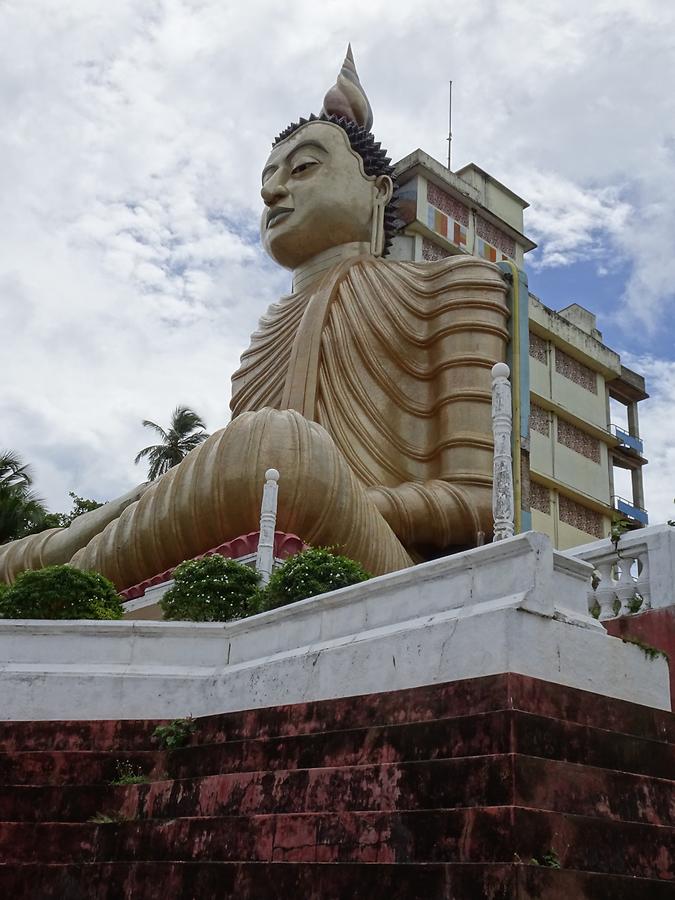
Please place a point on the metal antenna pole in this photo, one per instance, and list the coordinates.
(449, 126)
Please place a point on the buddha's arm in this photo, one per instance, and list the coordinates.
(58, 545)
(437, 513)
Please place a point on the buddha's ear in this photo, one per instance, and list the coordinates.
(385, 188)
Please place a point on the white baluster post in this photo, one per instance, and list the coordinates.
(502, 471)
(268, 519)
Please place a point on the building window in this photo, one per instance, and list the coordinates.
(540, 420)
(540, 497)
(575, 439)
(580, 517)
(575, 371)
(538, 348)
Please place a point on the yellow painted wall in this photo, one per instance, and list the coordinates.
(541, 453)
(568, 536)
(582, 474)
(539, 378)
(580, 402)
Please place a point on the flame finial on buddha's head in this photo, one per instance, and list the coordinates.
(347, 99)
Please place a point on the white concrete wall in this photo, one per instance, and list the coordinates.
(512, 606)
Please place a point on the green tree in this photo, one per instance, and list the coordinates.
(181, 437)
(21, 511)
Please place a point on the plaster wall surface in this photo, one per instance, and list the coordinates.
(580, 402)
(514, 606)
(540, 381)
(584, 475)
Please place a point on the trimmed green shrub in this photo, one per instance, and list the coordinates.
(306, 574)
(211, 589)
(61, 592)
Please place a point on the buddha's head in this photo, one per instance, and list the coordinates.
(327, 182)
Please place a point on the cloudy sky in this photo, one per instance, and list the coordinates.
(133, 135)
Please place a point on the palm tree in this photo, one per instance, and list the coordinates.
(21, 512)
(177, 442)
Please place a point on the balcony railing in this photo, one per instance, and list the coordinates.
(630, 511)
(627, 440)
(636, 575)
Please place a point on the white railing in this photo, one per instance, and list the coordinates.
(636, 574)
(264, 562)
(502, 466)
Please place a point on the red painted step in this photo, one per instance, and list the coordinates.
(320, 881)
(454, 787)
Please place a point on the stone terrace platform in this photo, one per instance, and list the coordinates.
(499, 787)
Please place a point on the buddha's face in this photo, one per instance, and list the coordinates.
(316, 195)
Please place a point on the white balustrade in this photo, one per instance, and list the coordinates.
(502, 470)
(636, 575)
(268, 517)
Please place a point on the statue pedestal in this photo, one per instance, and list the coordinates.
(515, 606)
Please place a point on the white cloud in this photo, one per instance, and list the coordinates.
(133, 137)
(657, 426)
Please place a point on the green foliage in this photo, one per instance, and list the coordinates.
(128, 773)
(211, 589)
(650, 652)
(311, 572)
(177, 442)
(61, 592)
(635, 603)
(550, 860)
(21, 511)
(111, 818)
(174, 735)
(618, 528)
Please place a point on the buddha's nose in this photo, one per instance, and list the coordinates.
(272, 191)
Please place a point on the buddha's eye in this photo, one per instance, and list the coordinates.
(303, 166)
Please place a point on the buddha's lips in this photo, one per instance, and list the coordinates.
(274, 214)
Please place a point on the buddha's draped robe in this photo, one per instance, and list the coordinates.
(370, 392)
(393, 360)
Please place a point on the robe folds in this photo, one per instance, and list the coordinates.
(370, 393)
(393, 359)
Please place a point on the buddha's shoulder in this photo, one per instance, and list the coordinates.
(453, 268)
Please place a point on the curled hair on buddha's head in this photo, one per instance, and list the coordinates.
(347, 106)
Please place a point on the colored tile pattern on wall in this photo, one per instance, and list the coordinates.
(447, 216)
(447, 204)
(540, 497)
(580, 517)
(540, 420)
(538, 348)
(432, 252)
(577, 372)
(448, 228)
(575, 439)
(492, 235)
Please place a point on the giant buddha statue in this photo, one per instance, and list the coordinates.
(367, 387)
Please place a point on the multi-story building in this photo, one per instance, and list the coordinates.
(567, 383)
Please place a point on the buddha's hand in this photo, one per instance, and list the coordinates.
(430, 512)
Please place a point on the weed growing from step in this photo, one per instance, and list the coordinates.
(128, 773)
(112, 818)
(174, 735)
(550, 860)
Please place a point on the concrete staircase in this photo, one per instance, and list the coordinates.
(497, 787)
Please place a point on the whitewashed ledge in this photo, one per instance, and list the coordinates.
(514, 606)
